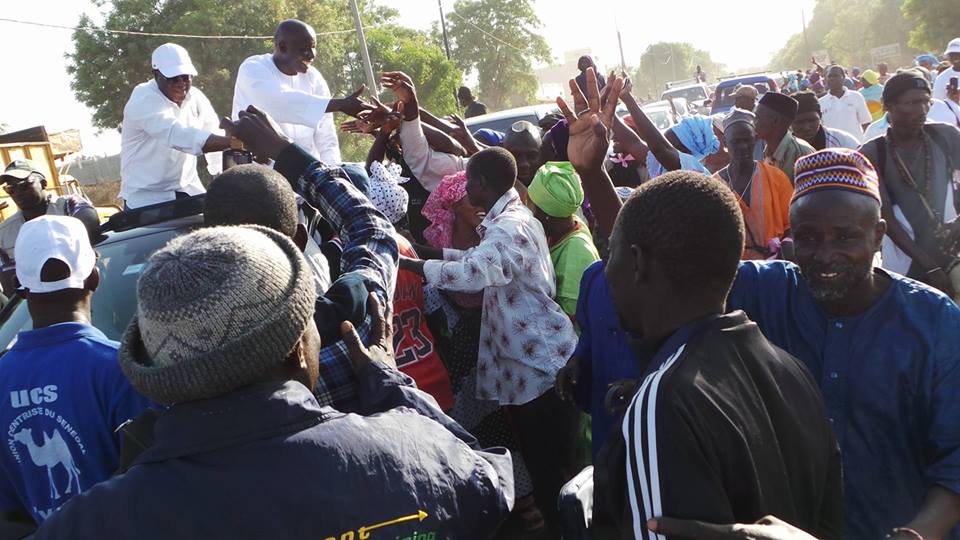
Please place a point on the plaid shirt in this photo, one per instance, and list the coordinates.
(369, 251)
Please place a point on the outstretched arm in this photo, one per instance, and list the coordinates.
(427, 164)
(666, 154)
(587, 147)
(291, 106)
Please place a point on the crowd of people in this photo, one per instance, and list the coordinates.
(742, 327)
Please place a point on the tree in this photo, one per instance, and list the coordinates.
(796, 53)
(861, 25)
(497, 38)
(935, 22)
(848, 30)
(394, 48)
(106, 67)
(664, 62)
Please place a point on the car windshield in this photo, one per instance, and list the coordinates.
(725, 95)
(114, 302)
(660, 118)
(503, 124)
(693, 93)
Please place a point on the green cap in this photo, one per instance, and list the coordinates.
(556, 189)
(20, 169)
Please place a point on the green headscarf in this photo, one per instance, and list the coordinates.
(556, 189)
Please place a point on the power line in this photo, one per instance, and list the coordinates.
(153, 34)
(488, 34)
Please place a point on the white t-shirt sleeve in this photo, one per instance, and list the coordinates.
(940, 112)
(427, 164)
(282, 102)
(846, 140)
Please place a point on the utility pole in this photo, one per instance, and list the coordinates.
(623, 62)
(368, 67)
(443, 25)
(806, 41)
(446, 47)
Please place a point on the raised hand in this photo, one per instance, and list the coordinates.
(260, 134)
(351, 126)
(627, 85)
(381, 337)
(589, 129)
(462, 135)
(605, 92)
(402, 85)
(226, 125)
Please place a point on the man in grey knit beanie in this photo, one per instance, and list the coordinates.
(200, 332)
(225, 335)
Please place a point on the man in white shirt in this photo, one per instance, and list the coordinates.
(166, 124)
(808, 126)
(285, 86)
(953, 56)
(945, 111)
(844, 109)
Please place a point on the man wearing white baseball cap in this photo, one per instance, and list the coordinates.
(62, 393)
(943, 80)
(166, 124)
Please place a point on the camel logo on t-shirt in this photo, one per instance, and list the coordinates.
(52, 452)
(42, 440)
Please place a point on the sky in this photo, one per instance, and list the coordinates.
(738, 33)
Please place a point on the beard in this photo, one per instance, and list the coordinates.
(831, 289)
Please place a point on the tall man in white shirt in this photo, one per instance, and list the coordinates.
(285, 86)
(166, 124)
(844, 109)
(953, 56)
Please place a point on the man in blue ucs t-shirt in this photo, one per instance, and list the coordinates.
(62, 394)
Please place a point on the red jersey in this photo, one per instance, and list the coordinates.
(413, 343)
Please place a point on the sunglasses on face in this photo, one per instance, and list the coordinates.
(178, 78)
(9, 186)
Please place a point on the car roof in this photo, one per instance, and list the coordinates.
(143, 221)
(112, 237)
(663, 103)
(678, 88)
(750, 79)
(519, 112)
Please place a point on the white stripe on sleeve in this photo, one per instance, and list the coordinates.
(645, 466)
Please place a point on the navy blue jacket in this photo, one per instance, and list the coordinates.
(266, 461)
